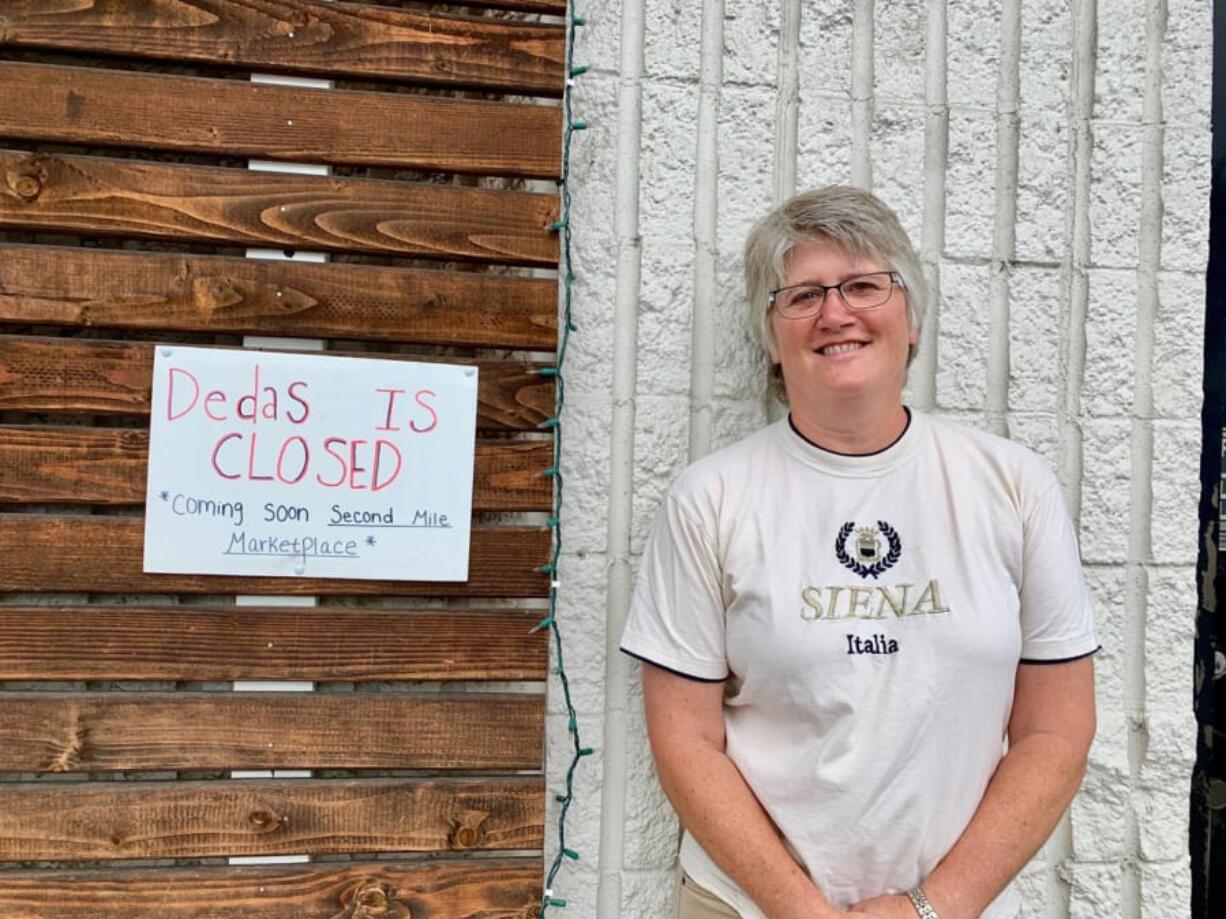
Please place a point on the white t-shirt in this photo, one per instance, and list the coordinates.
(869, 613)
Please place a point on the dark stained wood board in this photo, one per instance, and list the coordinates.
(307, 37)
(109, 289)
(554, 7)
(112, 732)
(46, 552)
(87, 105)
(205, 644)
(72, 821)
(110, 377)
(112, 197)
(491, 888)
(107, 466)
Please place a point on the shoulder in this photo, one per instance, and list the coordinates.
(994, 461)
(706, 486)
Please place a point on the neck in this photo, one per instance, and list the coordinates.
(851, 428)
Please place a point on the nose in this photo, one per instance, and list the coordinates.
(835, 312)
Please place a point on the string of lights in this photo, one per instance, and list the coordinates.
(566, 797)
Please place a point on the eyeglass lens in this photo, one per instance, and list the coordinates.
(863, 292)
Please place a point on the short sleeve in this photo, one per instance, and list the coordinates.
(1056, 615)
(676, 617)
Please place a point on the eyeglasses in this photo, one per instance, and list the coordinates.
(863, 292)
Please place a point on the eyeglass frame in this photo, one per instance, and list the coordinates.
(895, 278)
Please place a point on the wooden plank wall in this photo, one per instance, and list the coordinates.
(126, 206)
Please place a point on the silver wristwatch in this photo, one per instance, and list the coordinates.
(921, 904)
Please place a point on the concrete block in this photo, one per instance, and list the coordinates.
(583, 815)
(652, 829)
(899, 30)
(1119, 71)
(825, 49)
(746, 162)
(648, 894)
(1115, 195)
(1105, 495)
(1099, 812)
(1032, 885)
(585, 471)
(751, 43)
(1035, 297)
(581, 619)
(1186, 173)
(1170, 629)
(898, 162)
(1047, 55)
(1176, 492)
(1166, 889)
(1179, 346)
(1187, 63)
(962, 352)
(824, 140)
(673, 42)
(1110, 331)
(1039, 431)
(1096, 891)
(598, 44)
(970, 201)
(666, 302)
(1164, 782)
(661, 452)
(737, 418)
(974, 52)
(738, 358)
(666, 193)
(1043, 185)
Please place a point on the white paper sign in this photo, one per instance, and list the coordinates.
(291, 465)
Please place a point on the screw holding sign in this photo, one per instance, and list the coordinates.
(469, 371)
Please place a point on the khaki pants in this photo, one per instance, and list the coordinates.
(694, 902)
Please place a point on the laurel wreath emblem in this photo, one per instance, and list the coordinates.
(875, 569)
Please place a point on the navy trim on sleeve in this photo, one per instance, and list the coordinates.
(688, 676)
(1061, 660)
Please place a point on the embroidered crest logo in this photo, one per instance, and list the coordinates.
(867, 558)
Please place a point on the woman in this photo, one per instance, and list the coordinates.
(845, 616)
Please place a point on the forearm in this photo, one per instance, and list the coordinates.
(722, 813)
(1030, 790)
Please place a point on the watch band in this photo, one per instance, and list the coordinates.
(921, 904)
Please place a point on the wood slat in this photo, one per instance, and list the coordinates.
(555, 7)
(109, 197)
(501, 888)
(86, 105)
(109, 378)
(43, 552)
(305, 36)
(112, 732)
(109, 289)
(107, 466)
(206, 644)
(111, 820)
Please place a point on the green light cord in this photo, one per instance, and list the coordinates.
(554, 424)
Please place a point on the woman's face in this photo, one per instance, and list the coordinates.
(841, 352)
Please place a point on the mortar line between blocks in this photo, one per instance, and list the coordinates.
(936, 167)
(1004, 230)
(1072, 360)
(1141, 445)
(787, 100)
(614, 784)
(862, 94)
(706, 231)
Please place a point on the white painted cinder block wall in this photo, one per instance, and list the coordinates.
(1052, 161)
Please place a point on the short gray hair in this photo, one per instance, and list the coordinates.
(855, 219)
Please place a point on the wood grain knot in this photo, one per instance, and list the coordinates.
(266, 820)
(466, 831)
(28, 187)
(368, 898)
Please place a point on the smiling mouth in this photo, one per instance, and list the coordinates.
(845, 347)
